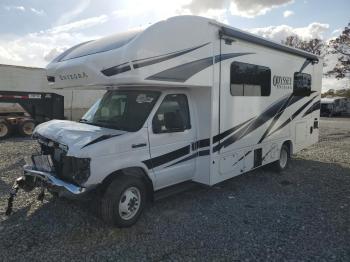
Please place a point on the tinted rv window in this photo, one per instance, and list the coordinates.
(250, 80)
(302, 84)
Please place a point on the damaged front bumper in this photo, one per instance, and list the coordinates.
(51, 180)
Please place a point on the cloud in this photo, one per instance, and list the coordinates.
(278, 33)
(333, 83)
(39, 48)
(75, 11)
(245, 8)
(79, 25)
(252, 8)
(37, 11)
(288, 13)
(14, 7)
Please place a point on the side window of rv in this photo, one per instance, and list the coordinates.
(250, 80)
(172, 115)
(302, 84)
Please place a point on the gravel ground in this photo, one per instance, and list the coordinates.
(301, 214)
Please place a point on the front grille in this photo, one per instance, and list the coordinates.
(70, 169)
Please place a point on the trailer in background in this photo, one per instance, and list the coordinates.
(32, 79)
(36, 108)
(334, 106)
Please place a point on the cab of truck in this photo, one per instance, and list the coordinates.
(127, 135)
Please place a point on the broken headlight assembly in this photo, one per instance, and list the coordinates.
(76, 170)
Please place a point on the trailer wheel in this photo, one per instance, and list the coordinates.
(283, 162)
(4, 130)
(26, 128)
(123, 201)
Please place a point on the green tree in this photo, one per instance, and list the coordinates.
(341, 46)
(314, 46)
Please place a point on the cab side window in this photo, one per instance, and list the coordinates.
(172, 115)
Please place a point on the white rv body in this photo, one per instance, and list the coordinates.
(192, 56)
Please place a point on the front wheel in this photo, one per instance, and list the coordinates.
(283, 162)
(123, 201)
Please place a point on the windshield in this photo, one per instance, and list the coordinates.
(122, 110)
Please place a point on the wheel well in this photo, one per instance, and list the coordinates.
(289, 144)
(130, 171)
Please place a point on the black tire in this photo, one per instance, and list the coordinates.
(283, 161)
(26, 128)
(5, 130)
(115, 193)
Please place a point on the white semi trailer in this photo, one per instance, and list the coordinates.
(33, 79)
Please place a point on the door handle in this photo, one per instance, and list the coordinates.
(138, 145)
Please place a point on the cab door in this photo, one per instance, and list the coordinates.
(170, 137)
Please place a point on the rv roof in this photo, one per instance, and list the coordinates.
(97, 46)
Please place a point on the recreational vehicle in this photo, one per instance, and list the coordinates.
(334, 106)
(188, 99)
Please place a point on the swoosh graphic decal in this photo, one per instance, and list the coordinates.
(99, 139)
(296, 113)
(182, 73)
(164, 57)
(316, 106)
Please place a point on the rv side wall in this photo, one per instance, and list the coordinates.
(257, 108)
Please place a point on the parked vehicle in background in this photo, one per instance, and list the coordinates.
(335, 106)
(189, 100)
(26, 110)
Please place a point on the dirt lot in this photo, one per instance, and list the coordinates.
(301, 214)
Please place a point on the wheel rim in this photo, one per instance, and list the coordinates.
(3, 130)
(129, 203)
(283, 158)
(28, 128)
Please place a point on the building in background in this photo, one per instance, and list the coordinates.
(32, 79)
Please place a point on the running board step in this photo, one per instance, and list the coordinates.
(175, 189)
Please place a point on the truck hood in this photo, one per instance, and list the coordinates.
(74, 134)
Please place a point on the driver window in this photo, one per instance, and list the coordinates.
(172, 115)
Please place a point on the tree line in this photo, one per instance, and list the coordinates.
(339, 46)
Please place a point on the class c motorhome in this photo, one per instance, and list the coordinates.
(188, 99)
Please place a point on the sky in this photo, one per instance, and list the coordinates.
(33, 32)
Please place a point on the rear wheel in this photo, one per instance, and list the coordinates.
(283, 162)
(26, 128)
(4, 130)
(123, 201)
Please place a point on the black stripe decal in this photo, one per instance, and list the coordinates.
(241, 158)
(116, 69)
(229, 131)
(296, 113)
(183, 72)
(316, 106)
(194, 155)
(267, 153)
(160, 160)
(275, 119)
(99, 139)
(201, 143)
(164, 57)
(259, 121)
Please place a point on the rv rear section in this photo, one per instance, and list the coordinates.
(207, 104)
